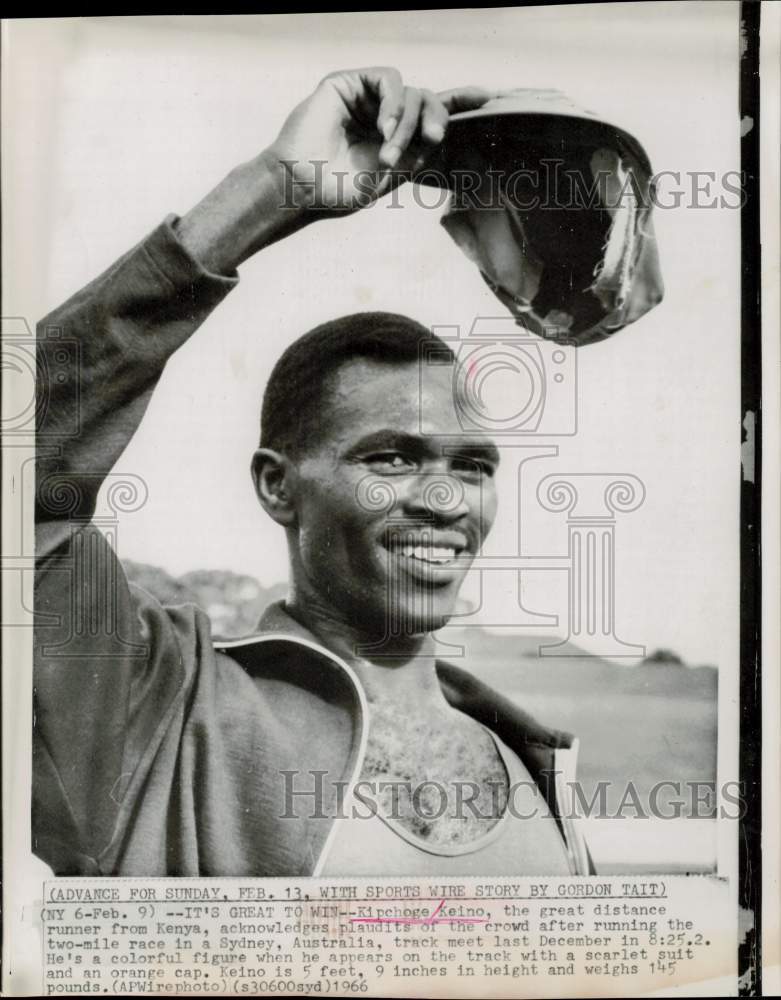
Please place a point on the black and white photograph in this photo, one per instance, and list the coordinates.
(388, 509)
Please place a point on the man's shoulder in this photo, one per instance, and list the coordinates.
(292, 666)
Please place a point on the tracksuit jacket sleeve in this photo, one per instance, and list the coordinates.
(108, 660)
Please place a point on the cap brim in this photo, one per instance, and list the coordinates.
(529, 101)
(536, 104)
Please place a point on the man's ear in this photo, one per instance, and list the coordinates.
(272, 474)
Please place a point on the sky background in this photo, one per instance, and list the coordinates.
(129, 119)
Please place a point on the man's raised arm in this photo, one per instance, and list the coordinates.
(334, 155)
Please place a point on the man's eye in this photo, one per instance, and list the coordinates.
(472, 467)
(390, 461)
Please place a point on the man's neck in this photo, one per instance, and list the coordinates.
(398, 669)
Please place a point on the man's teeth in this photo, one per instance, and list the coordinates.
(429, 553)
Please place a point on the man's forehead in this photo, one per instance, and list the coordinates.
(407, 395)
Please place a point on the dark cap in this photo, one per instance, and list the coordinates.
(575, 257)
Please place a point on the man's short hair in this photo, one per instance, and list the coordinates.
(293, 402)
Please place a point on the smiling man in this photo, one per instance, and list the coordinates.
(332, 741)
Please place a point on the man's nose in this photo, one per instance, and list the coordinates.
(439, 495)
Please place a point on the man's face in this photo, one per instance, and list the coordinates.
(391, 507)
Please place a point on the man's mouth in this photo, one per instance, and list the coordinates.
(444, 549)
(437, 555)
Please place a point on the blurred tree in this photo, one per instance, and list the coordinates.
(233, 601)
(664, 656)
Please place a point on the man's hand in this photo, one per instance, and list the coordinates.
(361, 133)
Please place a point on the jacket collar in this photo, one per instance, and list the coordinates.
(461, 688)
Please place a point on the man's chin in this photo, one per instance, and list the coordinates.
(413, 621)
(417, 614)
